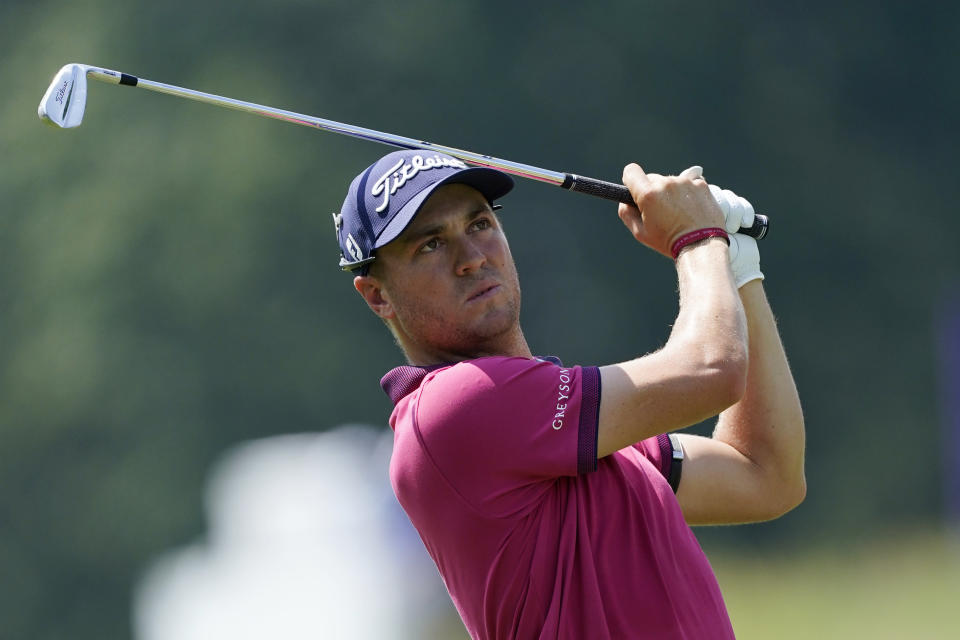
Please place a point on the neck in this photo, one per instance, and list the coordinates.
(426, 355)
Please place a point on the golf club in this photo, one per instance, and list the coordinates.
(64, 102)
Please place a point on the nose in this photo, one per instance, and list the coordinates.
(470, 257)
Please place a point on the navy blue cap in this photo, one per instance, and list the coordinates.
(386, 196)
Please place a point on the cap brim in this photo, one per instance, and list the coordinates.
(491, 183)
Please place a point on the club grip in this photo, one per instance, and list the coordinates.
(619, 193)
(598, 188)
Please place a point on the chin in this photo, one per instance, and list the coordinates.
(469, 333)
(494, 326)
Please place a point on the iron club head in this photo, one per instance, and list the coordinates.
(63, 103)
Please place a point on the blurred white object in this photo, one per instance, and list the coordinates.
(306, 540)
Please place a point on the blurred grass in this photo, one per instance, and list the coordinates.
(901, 586)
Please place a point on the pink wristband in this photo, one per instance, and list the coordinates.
(697, 236)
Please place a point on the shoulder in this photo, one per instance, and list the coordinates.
(499, 395)
(481, 378)
(488, 371)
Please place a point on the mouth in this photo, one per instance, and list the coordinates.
(484, 293)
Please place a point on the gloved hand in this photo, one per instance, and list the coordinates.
(744, 253)
(744, 259)
(737, 211)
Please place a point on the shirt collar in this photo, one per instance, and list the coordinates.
(403, 381)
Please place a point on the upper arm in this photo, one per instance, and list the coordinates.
(497, 427)
(752, 467)
(661, 392)
(721, 485)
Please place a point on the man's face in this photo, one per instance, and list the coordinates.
(448, 282)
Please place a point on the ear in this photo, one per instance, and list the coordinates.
(371, 289)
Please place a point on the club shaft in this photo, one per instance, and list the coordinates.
(515, 168)
(573, 182)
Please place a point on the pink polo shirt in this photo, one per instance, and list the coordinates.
(494, 462)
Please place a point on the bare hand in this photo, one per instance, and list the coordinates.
(667, 207)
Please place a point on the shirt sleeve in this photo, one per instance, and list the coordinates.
(659, 451)
(497, 428)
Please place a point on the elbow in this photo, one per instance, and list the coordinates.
(735, 374)
(798, 491)
(787, 496)
(791, 497)
(725, 362)
(710, 376)
(728, 378)
(800, 494)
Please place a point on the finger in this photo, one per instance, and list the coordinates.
(734, 249)
(637, 181)
(694, 172)
(717, 193)
(748, 213)
(631, 218)
(730, 225)
(734, 219)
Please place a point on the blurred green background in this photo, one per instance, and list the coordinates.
(168, 278)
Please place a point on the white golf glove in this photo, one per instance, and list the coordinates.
(737, 211)
(744, 253)
(744, 259)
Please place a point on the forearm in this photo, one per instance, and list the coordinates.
(766, 425)
(711, 323)
(697, 374)
(702, 368)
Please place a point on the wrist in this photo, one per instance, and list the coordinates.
(709, 253)
(695, 238)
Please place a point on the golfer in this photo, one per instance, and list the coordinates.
(556, 500)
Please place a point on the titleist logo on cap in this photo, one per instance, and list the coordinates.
(398, 175)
